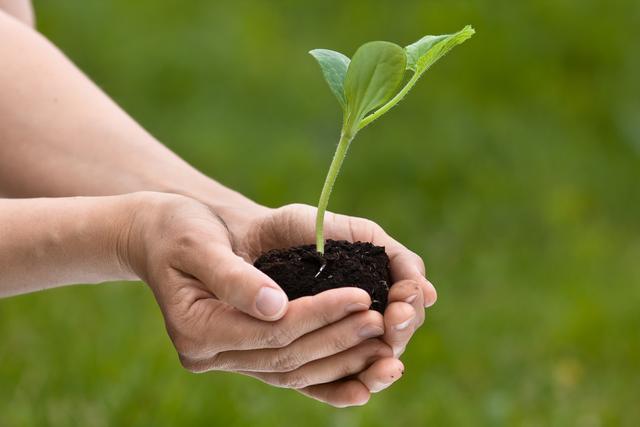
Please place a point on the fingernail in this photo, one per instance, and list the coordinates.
(411, 299)
(270, 301)
(397, 351)
(428, 302)
(370, 331)
(404, 325)
(356, 306)
(377, 386)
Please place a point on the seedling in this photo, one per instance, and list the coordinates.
(367, 87)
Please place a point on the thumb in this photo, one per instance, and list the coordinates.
(236, 282)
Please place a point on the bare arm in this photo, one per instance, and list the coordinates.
(60, 135)
(51, 242)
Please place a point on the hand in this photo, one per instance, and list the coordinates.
(295, 225)
(223, 314)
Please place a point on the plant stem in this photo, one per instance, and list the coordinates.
(345, 140)
(392, 102)
(334, 169)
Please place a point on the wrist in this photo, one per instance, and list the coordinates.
(139, 214)
(84, 236)
(109, 219)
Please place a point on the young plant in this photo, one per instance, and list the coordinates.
(369, 81)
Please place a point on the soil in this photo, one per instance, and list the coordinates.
(299, 270)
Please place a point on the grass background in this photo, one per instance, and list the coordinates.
(513, 168)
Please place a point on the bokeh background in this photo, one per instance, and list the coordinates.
(513, 168)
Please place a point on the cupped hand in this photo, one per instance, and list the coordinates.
(223, 314)
(409, 294)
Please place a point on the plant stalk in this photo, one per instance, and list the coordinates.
(345, 140)
(334, 170)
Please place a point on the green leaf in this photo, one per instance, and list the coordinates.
(375, 72)
(334, 68)
(425, 52)
(419, 48)
(420, 56)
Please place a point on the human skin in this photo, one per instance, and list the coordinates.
(19, 9)
(61, 136)
(182, 250)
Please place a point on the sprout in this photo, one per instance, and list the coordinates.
(366, 87)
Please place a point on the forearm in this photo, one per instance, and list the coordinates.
(52, 242)
(60, 135)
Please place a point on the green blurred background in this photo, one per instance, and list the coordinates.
(513, 168)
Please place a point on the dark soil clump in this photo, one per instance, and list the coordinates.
(299, 272)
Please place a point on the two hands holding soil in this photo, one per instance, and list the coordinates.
(146, 214)
(221, 312)
(329, 346)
